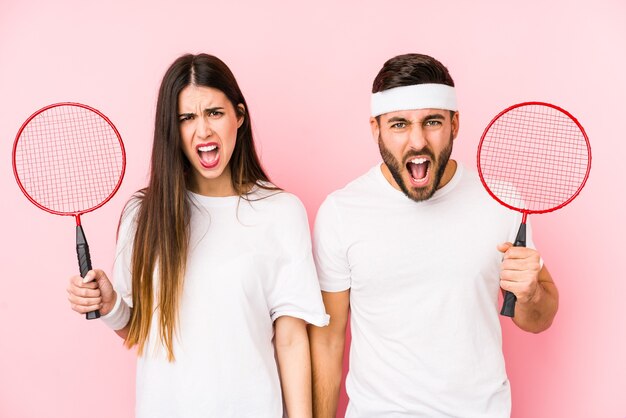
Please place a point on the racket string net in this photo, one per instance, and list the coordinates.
(534, 157)
(69, 159)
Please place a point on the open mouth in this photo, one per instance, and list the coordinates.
(209, 155)
(419, 170)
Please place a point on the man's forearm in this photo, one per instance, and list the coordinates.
(327, 373)
(537, 315)
(327, 347)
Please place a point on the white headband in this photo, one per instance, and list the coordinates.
(417, 96)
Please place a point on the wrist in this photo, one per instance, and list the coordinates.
(108, 306)
(118, 316)
(536, 297)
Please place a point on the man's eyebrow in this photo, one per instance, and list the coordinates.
(434, 116)
(397, 119)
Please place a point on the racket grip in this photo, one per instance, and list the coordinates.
(84, 262)
(508, 306)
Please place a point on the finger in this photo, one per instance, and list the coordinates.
(504, 247)
(76, 280)
(521, 252)
(514, 286)
(80, 301)
(78, 288)
(517, 276)
(85, 292)
(90, 285)
(520, 264)
(511, 287)
(89, 277)
(84, 309)
(523, 291)
(99, 277)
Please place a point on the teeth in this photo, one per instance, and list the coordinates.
(207, 148)
(418, 160)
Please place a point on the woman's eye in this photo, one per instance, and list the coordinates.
(215, 113)
(185, 118)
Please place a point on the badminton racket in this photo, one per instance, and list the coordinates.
(534, 158)
(69, 159)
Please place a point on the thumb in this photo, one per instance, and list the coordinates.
(97, 275)
(504, 247)
(89, 277)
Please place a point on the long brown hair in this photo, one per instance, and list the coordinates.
(162, 238)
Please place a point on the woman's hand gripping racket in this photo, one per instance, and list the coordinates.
(533, 158)
(69, 159)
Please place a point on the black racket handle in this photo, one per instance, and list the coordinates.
(508, 306)
(84, 262)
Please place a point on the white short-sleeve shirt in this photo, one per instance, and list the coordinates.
(424, 285)
(249, 262)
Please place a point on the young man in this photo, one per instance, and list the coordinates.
(417, 251)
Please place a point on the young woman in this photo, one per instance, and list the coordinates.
(214, 277)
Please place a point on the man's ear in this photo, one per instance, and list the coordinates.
(375, 127)
(455, 125)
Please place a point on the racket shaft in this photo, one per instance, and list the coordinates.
(84, 262)
(508, 306)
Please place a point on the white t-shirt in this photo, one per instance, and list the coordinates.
(424, 284)
(248, 264)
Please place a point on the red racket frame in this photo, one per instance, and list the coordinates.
(526, 212)
(76, 214)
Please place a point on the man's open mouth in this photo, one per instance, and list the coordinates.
(418, 168)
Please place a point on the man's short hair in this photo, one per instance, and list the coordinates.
(410, 69)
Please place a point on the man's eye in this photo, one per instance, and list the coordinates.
(432, 122)
(399, 125)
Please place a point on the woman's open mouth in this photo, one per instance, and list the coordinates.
(208, 154)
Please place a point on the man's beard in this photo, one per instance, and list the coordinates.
(438, 166)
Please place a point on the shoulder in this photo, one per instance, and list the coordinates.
(474, 196)
(133, 203)
(345, 203)
(131, 208)
(127, 224)
(275, 198)
(472, 183)
(468, 184)
(277, 204)
(284, 221)
(361, 187)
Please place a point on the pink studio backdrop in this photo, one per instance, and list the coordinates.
(306, 71)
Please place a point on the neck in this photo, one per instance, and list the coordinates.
(217, 187)
(448, 173)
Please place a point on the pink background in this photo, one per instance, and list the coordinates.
(306, 71)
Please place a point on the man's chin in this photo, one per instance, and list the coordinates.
(421, 194)
(418, 194)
